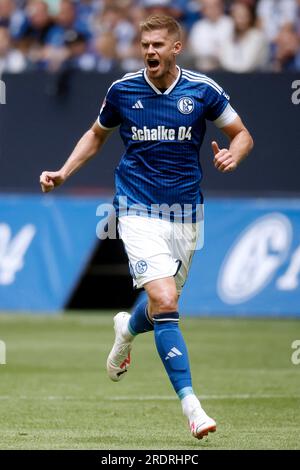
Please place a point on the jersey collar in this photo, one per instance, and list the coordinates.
(168, 91)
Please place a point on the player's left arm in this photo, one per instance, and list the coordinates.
(241, 143)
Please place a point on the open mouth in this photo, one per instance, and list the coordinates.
(153, 64)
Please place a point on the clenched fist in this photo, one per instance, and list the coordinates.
(223, 160)
(50, 180)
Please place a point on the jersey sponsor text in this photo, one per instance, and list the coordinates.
(161, 133)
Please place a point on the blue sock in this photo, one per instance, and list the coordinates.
(139, 321)
(173, 352)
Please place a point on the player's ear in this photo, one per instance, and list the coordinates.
(177, 47)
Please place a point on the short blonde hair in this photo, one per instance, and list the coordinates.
(155, 22)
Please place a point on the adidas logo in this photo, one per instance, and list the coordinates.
(174, 352)
(138, 105)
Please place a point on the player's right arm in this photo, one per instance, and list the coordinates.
(89, 144)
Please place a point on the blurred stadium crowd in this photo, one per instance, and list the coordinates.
(103, 35)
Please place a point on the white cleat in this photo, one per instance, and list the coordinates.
(201, 424)
(118, 359)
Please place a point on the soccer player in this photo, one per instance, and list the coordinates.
(161, 111)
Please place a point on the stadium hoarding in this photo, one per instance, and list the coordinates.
(250, 264)
(45, 244)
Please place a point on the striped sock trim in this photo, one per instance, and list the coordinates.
(166, 317)
(184, 392)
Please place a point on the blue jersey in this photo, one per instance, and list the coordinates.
(162, 132)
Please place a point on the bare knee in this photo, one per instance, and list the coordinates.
(166, 303)
(163, 298)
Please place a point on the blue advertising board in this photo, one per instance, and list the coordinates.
(250, 263)
(45, 244)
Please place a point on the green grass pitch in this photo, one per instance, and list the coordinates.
(54, 393)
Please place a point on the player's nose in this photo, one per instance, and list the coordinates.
(151, 49)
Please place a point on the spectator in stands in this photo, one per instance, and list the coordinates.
(11, 60)
(12, 17)
(249, 3)
(40, 24)
(78, 55)
(37, 33)
(274, 14)
(187, 12)
(130, 58)
(298, 19)
(163, 7)
(105, 47)
(132, 61)
(190, 13)
(278, 18)
(137, 14)
(246, 50)
(287, 50)
(85, 12)
(65, 20)
(53, 6)
(112, 19)
(208, 34)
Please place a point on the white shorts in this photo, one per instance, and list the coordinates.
(158, 248)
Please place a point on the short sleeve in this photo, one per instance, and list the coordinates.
(216, 101)
(109, 116)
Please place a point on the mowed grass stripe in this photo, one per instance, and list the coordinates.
(54, 393)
